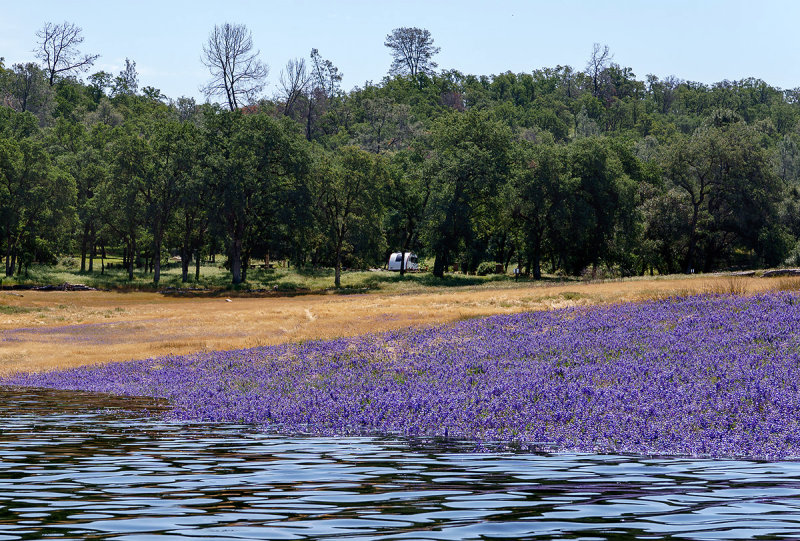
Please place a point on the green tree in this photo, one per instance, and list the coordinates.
(347, 188)
(472, 161)
(119, 197)
(407, 195)
(728, 182)
(603, 202)
(250, 161)
(193, 210)
(171, 155)
(385, 126)
(412, 51)
(81, 151)
(127, 82)
(36, 201)
(27, 88)
(539, 198)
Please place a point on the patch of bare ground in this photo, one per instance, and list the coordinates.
(48, 330)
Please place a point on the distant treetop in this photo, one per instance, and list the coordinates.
(236, 72)
(58, 50)
(412, 51)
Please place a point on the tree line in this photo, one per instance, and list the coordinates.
(556, 170)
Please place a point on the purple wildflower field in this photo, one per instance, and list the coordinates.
(711, 376)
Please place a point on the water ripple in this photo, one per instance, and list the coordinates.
(73, 466)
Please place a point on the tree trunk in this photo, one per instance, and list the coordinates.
(536, 264)
(236, 261)
(689, 264)
(84, 242)
(157, 262)
(131, 257)
(92, 254)
(308, 119)
(337, 279)
(446, 232)
(403, 263)
(8, 255)
(186, 248)
(10, 268)
(197, 266)
(438, 264)
(536, 257)
(509, 256)
(184, 264)
(501, 249)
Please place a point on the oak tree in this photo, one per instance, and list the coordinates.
(412, 51)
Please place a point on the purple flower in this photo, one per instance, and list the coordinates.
(705, 375)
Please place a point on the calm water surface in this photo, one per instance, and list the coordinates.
(73, 467)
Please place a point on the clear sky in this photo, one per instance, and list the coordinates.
(698, 40)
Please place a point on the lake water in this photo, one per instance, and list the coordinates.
(72, 466)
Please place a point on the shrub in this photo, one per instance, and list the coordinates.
(488, 267)
(68, 262)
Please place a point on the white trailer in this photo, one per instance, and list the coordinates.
(412, 263)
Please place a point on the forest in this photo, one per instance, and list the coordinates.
(555, 171)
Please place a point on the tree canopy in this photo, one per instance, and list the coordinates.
(555, 170)
(412, 51)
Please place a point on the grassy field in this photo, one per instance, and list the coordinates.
(215, 277)
(46, 330)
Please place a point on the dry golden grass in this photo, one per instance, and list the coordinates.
(47, 330)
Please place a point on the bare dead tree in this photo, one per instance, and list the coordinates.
(236, 71)
(294, 82)
(597, 64)
(412, 51)
(57, 48)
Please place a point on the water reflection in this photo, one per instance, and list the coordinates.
(69, 471)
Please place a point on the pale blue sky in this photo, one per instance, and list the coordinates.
(697, 40)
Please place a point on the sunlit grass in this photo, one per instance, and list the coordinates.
(280, 279)
(146, 323)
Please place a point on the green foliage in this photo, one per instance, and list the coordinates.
(554, 171)
(488, 267)
(37, 203)
(346, 188)
(251, 162)
(472, 161)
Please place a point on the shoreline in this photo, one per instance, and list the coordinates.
(684, 376)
